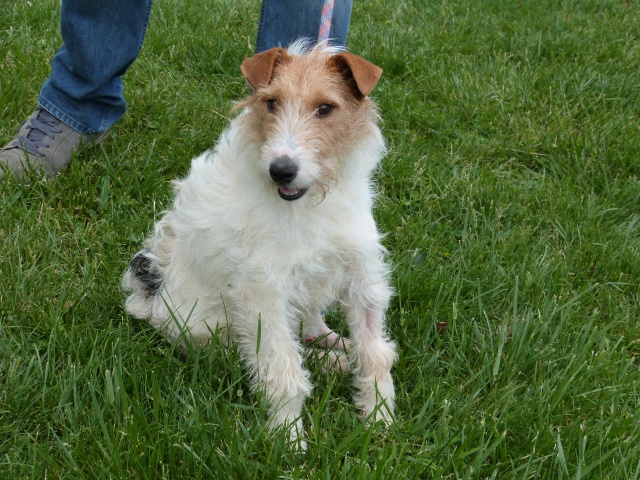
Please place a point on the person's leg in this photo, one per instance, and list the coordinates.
(284, 21)
(101, 38)
(83, 96)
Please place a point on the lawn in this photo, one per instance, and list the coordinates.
(510, 199)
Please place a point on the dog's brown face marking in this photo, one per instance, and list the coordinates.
(310, 108)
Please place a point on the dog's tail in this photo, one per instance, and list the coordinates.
(142, 282)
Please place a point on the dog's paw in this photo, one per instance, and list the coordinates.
(298, 445)
(295, 432)
(375, 398)
(329, 360)
(381, 414)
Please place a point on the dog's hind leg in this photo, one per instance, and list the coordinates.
(329, 347)
(143, 269)
(141, 282)
(316, 332)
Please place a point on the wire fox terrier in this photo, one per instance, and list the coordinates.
(274, 225)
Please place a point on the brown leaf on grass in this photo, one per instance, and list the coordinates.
(442, 326)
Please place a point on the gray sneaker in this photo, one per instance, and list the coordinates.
(43, 145)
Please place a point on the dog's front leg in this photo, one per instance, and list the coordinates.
(272, 353)
(371, 353)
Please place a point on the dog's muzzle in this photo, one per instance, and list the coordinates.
(283, 171)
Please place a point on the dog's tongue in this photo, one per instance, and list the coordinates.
(289, 191)
(290, 194)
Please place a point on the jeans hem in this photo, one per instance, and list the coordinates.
(64, 118)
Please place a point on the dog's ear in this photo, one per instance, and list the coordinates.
(363, 74)
(258, 70)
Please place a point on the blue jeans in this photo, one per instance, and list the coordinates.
(283, 21)
(102, 38)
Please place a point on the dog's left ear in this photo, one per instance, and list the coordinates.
(363, 73)
(258, 70)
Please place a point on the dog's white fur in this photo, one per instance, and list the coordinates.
(233, 254)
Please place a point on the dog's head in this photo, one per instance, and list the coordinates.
(309, 111)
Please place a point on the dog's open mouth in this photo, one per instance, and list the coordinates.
(291, 194)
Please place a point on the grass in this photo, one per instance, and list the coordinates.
(511, 202)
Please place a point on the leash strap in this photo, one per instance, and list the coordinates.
(325, 21)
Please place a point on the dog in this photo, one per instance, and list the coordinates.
(275, 224)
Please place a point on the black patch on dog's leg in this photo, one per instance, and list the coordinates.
(141, 267)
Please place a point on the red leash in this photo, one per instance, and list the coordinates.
(325, 21)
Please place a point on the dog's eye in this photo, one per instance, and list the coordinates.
(324, 110)
(272, 105)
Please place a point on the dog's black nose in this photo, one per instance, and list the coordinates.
(283, 170)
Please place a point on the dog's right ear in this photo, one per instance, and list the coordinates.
(258, 70)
